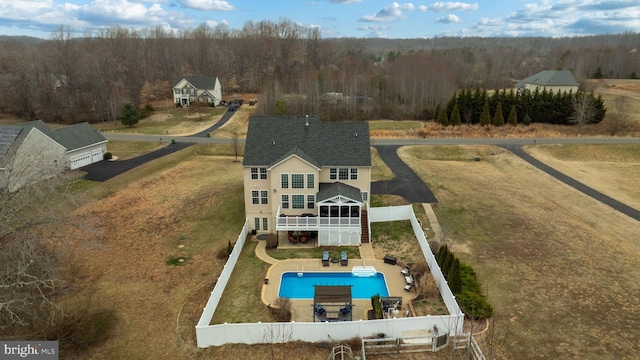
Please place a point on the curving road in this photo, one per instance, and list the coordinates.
(406, 183)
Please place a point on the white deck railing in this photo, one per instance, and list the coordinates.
(313, 222)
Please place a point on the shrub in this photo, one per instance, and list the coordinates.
(272, 241)
(419, 268)
(447, 264)
(222, 253)
(455, 281)
(471, 299)
(107, 156)
(377, 306)
(282, 311)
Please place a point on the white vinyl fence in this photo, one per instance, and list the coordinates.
(255, 333)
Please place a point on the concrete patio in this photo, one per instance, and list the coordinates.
(302, 310)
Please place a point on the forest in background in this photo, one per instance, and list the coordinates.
(69, 79)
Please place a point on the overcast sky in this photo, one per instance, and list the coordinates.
(335, 18)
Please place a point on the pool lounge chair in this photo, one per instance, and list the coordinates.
(344, 260)
(346, 309)
(319, 310)
(325, 258)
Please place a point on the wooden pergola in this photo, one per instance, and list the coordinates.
(332, 303)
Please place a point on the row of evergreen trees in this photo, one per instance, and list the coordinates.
(478, 107)
(464, 284)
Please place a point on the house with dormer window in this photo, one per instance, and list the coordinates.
(305, 176)
(190, 89)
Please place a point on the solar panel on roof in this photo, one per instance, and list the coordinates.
(7, 135)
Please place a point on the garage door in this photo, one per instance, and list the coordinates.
(96, 155)
(80, 160)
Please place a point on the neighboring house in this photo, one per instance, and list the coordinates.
(83, 145)
(31, 152)
(190, 89)
(550, 80)
(304, 175)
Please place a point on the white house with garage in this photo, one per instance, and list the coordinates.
(31, 152)
(190, 89)
(83, 145)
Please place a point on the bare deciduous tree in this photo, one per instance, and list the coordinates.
(37, 233)
(620, 117)
(235, 145)
(583, 110)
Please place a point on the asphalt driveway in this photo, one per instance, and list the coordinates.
(105, 170)
(615, 204)
(406, 183)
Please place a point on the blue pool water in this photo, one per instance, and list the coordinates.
(293, 286)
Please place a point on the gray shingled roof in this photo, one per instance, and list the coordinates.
(7, 135)
(77, 136)
(329, 190)
(21, 135)
(200, 82)
(550, 78)
(271, 139)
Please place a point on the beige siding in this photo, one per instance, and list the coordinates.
(293, 165)
(533, 87)
(38, 157)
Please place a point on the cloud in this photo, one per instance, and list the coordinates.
(376, 27)
(217, 5)
(390, 13)
(449, 19)
(451, 6)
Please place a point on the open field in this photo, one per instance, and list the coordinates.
(537, 247)
(559, 268)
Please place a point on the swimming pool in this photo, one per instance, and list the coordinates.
(293, 286)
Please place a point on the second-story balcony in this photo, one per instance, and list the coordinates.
(313, 222)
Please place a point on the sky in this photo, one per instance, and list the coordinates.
(335, 18)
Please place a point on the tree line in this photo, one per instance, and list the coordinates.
(71, 78)
(511, 107)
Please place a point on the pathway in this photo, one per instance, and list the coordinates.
(613, 203)
(406, 182)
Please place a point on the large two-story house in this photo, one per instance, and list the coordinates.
(190, 89)
(305, 175)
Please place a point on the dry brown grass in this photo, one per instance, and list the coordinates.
(559, 266)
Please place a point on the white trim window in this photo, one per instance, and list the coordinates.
(365, 196)
(297, 181)
(262, 173)
(333, 174)
(343, 174)
(311, 181)
(297, 201)
(259, 197)
(256, 223)
(284, 181)
(265, 224)
(354, 173)
(311, 201)
(285, 201)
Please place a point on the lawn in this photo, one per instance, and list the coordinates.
(175, 121)
(559, 268)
